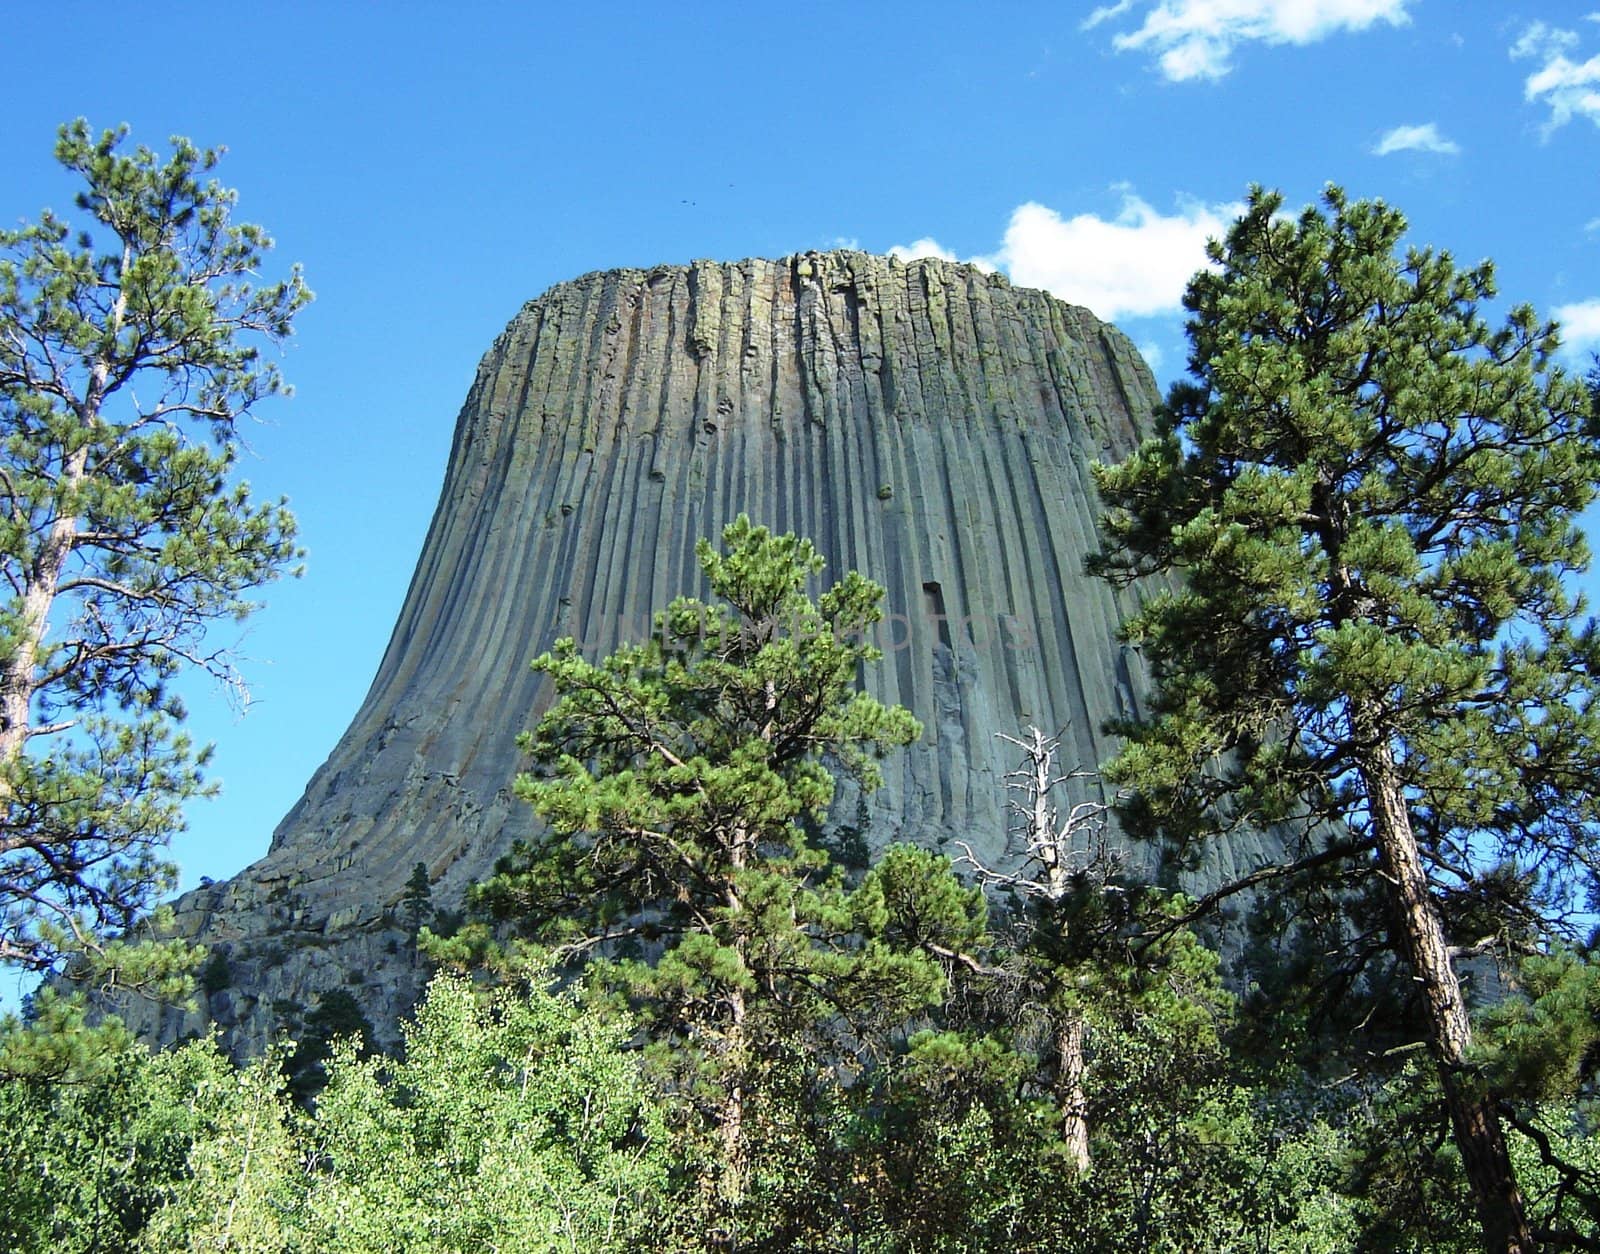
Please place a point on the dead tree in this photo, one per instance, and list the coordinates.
(1060, 853)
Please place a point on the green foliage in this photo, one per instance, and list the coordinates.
(676, 777)
(417, 901)
(58, 1040)
(860, 1067)
(337, 1016)
(517, 1120)
(130, 351)
(953, 1144)
(242, 1176)
(1592, 382)
(1372, 497)
(1406, 1188)
(89, 1159)
(1542, 1040)
(217, 972)
(521, 1119)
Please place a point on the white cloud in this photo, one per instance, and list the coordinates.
(1151, 352)
(1196, 38)
(1570, 88)
(1544, 40)
(1133, 265)
(927, 246)
(1580, 325)
(1105, 13)
(1425, 138)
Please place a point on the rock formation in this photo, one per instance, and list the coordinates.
(925, 423)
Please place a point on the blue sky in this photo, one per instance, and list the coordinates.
(433, 167)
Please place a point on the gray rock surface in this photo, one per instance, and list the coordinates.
(925, 423)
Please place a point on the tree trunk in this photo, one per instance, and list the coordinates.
(39, 592)
(19, 680)
(1070, 1096)
(731, 1120)
(1473, 1118)
(732, 1129)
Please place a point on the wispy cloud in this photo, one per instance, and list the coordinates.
(1580, 326)
(1424, 138)
(1570, 88)
(1135, 264)
(1105, 13)
(1543, 40)
(1196, 38)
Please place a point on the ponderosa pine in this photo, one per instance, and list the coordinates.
(130, 350)
(1371, 496)
(675, 779)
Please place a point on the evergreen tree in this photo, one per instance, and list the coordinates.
(130, 349)
(417, 900)
(676, 775)
(1372, 498)
(417, 908)
(336, 1017)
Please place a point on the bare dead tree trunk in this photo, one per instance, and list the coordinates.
(1049, 840)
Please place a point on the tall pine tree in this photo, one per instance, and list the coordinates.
(677, 778)
(130, 350)
(1372, 496)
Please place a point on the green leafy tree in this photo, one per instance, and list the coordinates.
(677, 774)
(89, 1160)
(1371, 496)
(130, 350)
(242, 1181)
(416, 906)
(516, 1120)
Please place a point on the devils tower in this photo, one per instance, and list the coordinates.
(925, 423)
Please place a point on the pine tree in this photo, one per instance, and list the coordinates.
(676, 776)
(1372, 496)
(129, 352)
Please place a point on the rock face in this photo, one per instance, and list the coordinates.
(925, 423)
